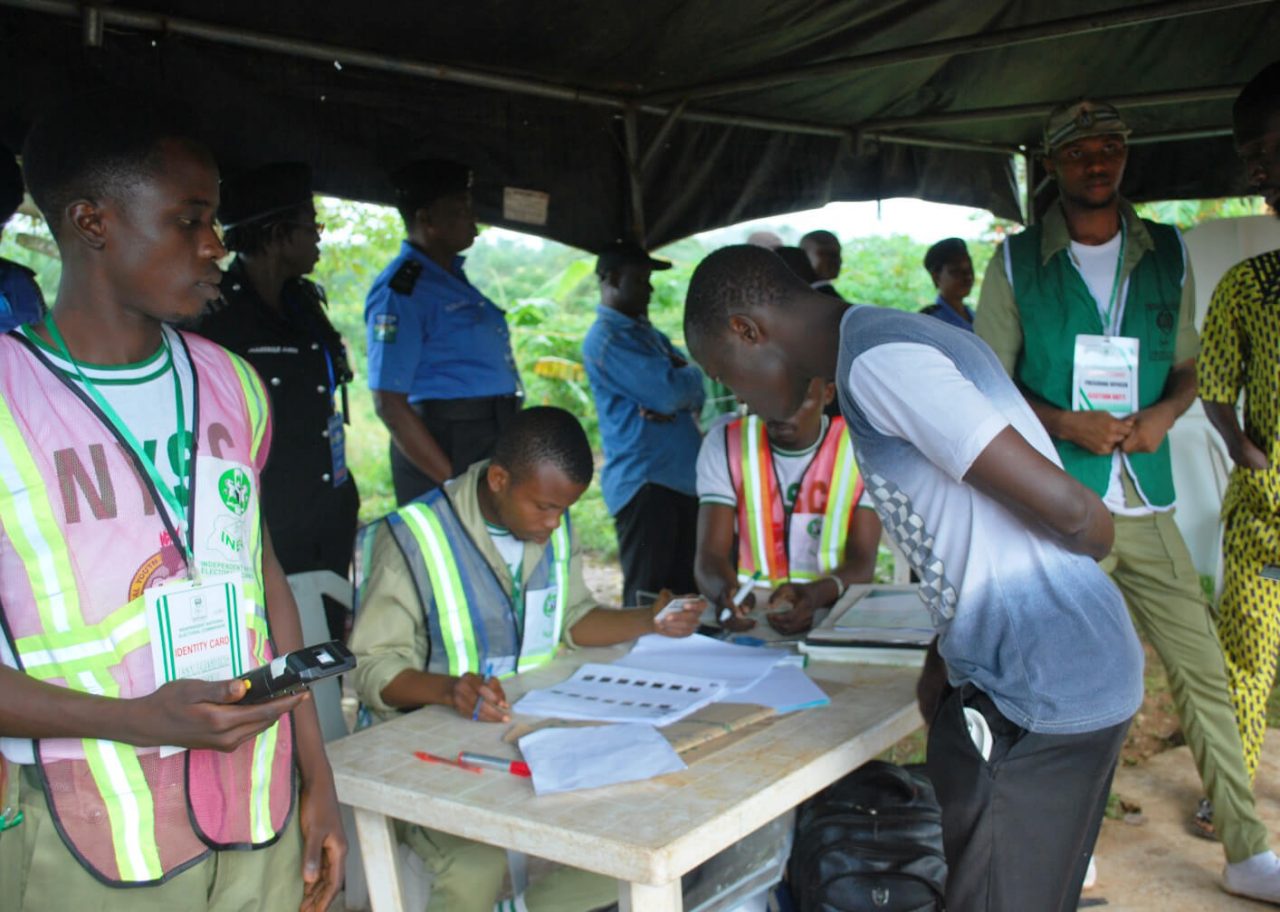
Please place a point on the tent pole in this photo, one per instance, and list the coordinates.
(1126, 15)
(631, 149)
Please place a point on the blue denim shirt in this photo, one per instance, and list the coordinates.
(942, 311)
(629, 365)
(441, 340)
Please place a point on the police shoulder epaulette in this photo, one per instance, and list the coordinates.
(406, 277)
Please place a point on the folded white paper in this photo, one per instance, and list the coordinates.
(567, 759)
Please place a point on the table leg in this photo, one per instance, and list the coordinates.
(381, 863)
(638, 897)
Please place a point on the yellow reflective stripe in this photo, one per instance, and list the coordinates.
(255, 400)
(125, 793)
(446, 585)
(97, 645)
(840, 506)
(258, 624)
(26, 512)
(758, 511)
(68, 666)
(264, 751)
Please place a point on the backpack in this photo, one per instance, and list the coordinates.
(871, 842)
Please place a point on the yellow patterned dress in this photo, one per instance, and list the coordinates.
(1241, 350)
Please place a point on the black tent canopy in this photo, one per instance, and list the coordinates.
(587, 121)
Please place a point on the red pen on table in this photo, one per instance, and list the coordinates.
(514, 767)
(436, 758)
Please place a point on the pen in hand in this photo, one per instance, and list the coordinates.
(488, 673)
(739, 597)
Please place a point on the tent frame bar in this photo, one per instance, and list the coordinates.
(967, 44)
(96, 17)
(1040, 109)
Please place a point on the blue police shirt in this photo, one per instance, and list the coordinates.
(434, 335)
(20, 299)
(942, 310)
(629, 365)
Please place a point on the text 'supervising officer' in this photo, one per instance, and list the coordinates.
(275, 318)
(443, 378)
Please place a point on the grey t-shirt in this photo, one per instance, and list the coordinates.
(1040, 629)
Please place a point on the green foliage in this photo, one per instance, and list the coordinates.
(1189, 213)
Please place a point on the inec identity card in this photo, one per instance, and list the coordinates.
(1105, 375)
(197, 631)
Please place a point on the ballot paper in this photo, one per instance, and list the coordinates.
(738, 666)
(785, 689)
(567, 759)
(609, 693)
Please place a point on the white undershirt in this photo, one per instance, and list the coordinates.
(1097, 266)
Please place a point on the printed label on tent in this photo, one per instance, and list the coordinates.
(528, 206)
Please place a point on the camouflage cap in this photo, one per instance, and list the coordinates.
(1075, 120)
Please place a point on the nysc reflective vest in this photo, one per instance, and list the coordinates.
(82, 536)
(475, 618)
(808, 541)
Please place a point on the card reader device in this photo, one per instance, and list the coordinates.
(297, 670)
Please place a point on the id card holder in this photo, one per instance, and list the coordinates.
(1105, 375)
(338, 449)
(197, 631)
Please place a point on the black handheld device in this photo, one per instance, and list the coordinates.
(295, 671)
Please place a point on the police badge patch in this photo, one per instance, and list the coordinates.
(385, 328)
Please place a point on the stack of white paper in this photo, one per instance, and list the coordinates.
(739, 667)
(609, 693)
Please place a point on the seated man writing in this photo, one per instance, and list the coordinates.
(480, 580)
(789, 491)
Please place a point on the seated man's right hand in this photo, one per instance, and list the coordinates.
(737, 621)
(205, 714)
(469, 688)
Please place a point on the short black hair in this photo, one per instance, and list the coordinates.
(545, 434)
(1257, 101)
(943, 252)
(820, 235)
(10, 185)
(731, 278)
(99, 145)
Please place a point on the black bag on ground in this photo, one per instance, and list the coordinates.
(871, 842)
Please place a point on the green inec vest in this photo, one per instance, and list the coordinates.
(1055, 306)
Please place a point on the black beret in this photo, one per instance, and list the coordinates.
(420, 183)
(258, 194)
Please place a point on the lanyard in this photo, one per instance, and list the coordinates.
(167, 492)
(1107, 328)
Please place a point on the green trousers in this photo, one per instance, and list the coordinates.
(39, 874)
(1152, 567)
(468, 876)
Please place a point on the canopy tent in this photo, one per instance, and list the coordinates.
(586, 120)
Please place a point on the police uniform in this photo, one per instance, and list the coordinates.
(304, 366)
(435, 337)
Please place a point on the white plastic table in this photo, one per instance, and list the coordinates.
(644, 834)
